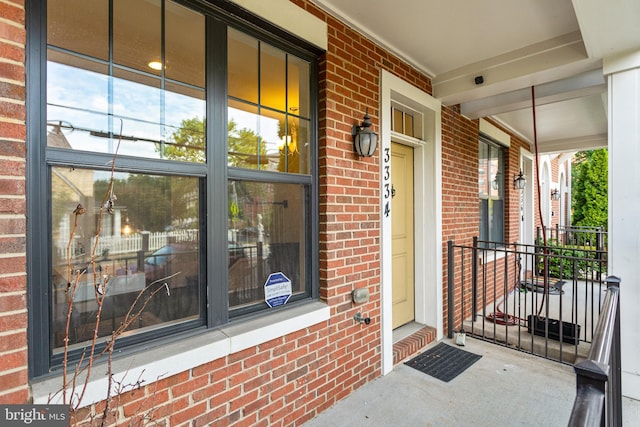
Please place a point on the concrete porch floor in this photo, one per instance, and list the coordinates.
(504, 388)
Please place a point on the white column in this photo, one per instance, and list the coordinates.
(624, 206)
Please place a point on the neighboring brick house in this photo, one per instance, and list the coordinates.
(555, 190)
(217, 353)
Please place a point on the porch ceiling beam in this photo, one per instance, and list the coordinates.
(588, 142)
(585, 84)
(550, 60)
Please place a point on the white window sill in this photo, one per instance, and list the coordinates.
(164, 361)
(487, 256)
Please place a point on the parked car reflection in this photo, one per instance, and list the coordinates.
(171, 259)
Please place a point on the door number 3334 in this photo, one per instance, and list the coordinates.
(389, 191)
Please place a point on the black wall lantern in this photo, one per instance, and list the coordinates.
(519, 181)
(364, 139)
(495, 184)
(555, 194)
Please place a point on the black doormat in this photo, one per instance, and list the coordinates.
(443, 361)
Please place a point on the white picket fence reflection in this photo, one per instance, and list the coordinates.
(126, 244)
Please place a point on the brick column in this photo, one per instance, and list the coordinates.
(13, 278)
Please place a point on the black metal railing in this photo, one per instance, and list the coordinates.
(541, 300)
(594, 238)
(588, 242)
(598, 378)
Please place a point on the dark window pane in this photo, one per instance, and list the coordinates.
(137, 34)
(408, 124)
(483, 169)
(184, 45)
(137, 110)
(397, 118)
(491, 191)
(184, 124)
(273, 84)
(146, 120)
(402, 122)
(303, 147)
(497, 220)
(267, 225)
(268, 140)
(293, 148)
(150, 238)
(80, 26)
(94, 107)
(243, 130)
(495, 175)
(298, 86)
(77, 103)
(484, 219)
(242, 66)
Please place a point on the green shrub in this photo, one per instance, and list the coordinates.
(572, 262)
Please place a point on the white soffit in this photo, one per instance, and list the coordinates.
(290, 17)
(608, 27)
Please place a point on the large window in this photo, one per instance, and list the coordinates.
(175, 174)
(491, 190)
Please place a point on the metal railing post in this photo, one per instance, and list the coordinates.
(599, 250)
(450, 286)
(538, 244)
(474, 278)
(615, 376)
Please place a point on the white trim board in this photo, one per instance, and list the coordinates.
(428, 209)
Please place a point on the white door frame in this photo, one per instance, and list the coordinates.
(527, 233)
(545, 191)
(428, 208)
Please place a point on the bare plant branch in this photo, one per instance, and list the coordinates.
(101, 281)
(70, 295)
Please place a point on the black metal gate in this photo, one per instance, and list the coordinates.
(543, 300)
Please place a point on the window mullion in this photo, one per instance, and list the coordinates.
(216, 143)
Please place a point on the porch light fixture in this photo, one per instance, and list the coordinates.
(364, 139)
(289, 144)
(495, 184)
(555, 194)
(519, 181)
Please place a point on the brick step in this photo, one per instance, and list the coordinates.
(411, 345)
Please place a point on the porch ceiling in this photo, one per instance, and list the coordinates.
(555, 45)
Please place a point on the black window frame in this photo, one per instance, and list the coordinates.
(219, 15)
(486, 232)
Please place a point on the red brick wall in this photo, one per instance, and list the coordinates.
(13, 295)
(460, 202)
(349, 185)
(290, 379)
(461, 211)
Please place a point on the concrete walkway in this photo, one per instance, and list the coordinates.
(504, 388)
